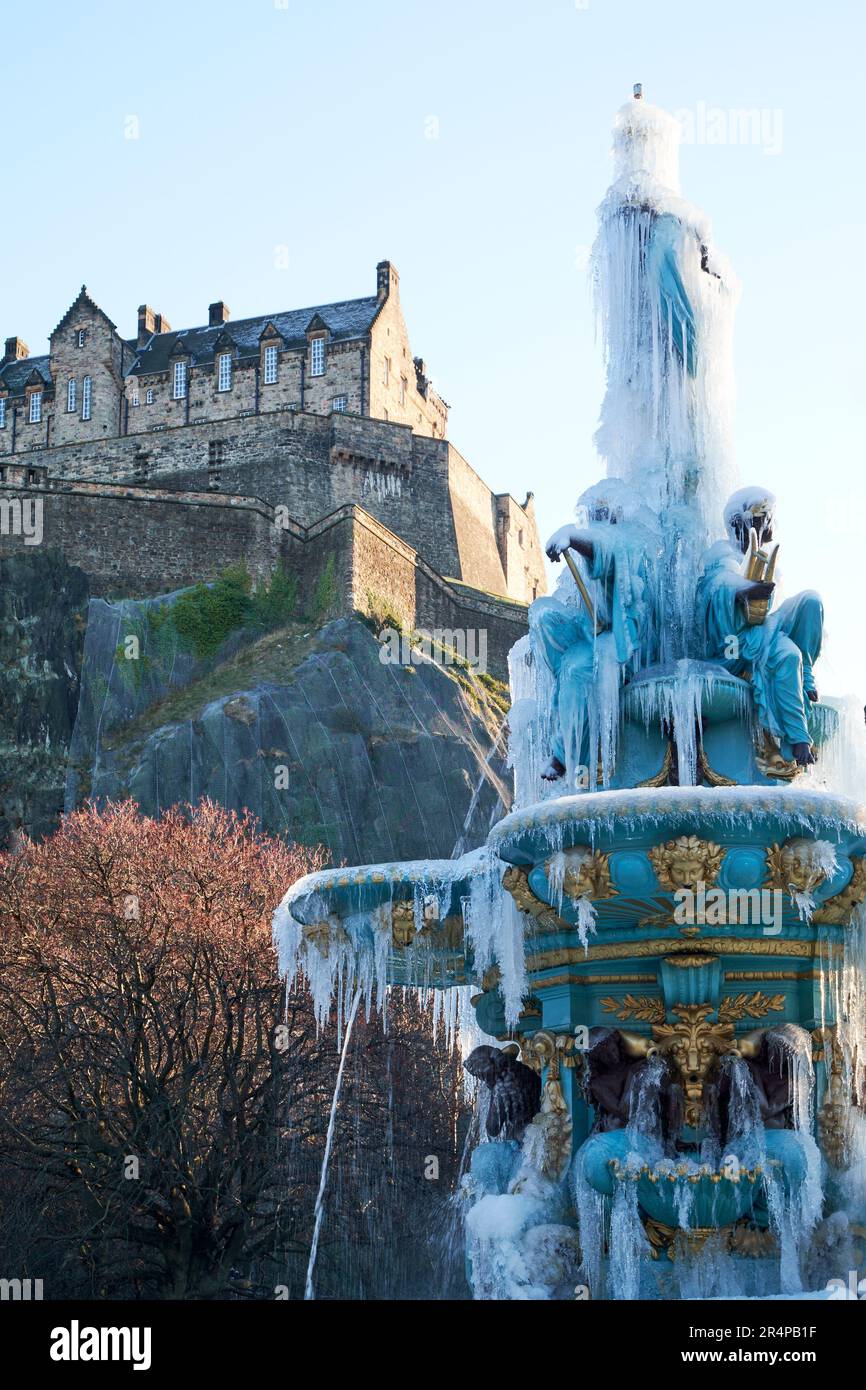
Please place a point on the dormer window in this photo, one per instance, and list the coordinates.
(224, 371)
(70, 396)
(317, 357)
(271, 362)
(86, 398)
(179, 383)
(35, 407)
(81, 337)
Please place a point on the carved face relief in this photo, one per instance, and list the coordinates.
(693, 1046)
(686, 862)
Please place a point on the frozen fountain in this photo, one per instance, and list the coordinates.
(663, 943)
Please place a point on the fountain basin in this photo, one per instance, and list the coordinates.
(685, 1194)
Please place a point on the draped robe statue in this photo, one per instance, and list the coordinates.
(588, 655)
(778, 655)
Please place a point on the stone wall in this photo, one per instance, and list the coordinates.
(309, 465)
(138, 541)
(135, 541)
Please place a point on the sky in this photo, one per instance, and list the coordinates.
(270, 152)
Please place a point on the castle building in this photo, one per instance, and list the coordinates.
(297, 414)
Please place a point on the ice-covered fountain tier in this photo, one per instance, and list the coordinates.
(664, 942)
(675, 963)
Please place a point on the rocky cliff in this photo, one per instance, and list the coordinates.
(43, 603)
(310, 730)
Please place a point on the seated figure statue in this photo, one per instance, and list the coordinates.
(598, 626)
(775, 650)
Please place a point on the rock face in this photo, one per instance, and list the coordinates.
(42, 605)
(314, 734)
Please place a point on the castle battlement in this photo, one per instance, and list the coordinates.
(309, 410)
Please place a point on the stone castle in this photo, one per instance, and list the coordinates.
(310, 437)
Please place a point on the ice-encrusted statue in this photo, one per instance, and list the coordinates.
(775, 650)
(599, 626)
(665, 297)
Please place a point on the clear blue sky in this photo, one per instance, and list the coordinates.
(308, 127)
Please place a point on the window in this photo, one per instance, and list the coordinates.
(224, 378)
(35, 407)
(148, 396)
(340, 402)
(215, 456)
(81, 337)
(317, 357)
(270, 365)
(403, 385)
(135, 398)
(86, 398)
(70, 394)
(2, 412)
(179, 380)
(386, 371)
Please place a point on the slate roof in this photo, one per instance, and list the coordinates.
(349, 318)
(15, 375)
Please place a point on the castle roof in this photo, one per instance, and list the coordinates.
(15, 375)
(348, 318)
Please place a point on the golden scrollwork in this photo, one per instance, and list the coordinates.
(547, 1049)
(791, 869)
(516, 881)
(686, 862)
(694, 1044)
(709, 774)
(689, 961)
(644, 1008)
(837, 911)
(835, 1120)
(548, 1136)
(742, 1238)
(661, 946)
(663, 776)
(736, 1006)
(666, 775)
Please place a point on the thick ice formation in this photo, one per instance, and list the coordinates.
(666, 301)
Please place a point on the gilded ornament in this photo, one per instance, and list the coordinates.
(837, 911)
(643, 1008)
(686, 862)
(736, 1006)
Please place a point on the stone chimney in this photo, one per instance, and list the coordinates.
(217, 313)
(15, 349)
(146, 323)
(387, 280)
(149, 322)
